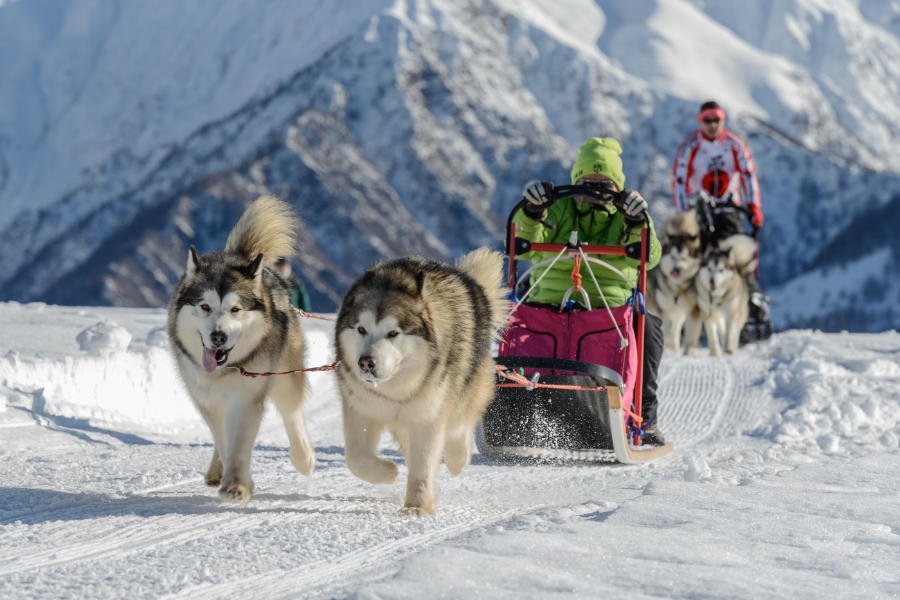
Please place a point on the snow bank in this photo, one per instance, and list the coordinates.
(110, 368)
(106, 374)
(841, 393)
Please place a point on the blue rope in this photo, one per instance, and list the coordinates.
(637, 301)
(639, 431)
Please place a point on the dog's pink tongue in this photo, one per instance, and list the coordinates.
(209, 360)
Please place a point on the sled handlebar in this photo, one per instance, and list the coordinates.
(706, 202)
(594, 194)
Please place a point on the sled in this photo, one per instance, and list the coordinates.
(569, 382)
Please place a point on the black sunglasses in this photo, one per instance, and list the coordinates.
(712, 120)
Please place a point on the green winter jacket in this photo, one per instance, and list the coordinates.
(595, 226)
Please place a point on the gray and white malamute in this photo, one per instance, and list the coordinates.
(722, 293)
(413, 338)
(232, 310)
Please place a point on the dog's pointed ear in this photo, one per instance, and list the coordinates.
(420, 283)
(193, 261)
(253, 269)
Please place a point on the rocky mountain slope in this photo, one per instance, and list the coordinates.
(410, 126)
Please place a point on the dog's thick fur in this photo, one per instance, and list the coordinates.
(723, 296)
(671, 292)
(413, 338)
(232, 310)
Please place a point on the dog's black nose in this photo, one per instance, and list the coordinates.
(218, 338)
(367, 364)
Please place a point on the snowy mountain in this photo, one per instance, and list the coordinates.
(782, 484)
(130, 130)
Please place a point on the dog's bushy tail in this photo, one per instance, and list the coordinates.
(741, 252)
(268, 227)
(485, 266)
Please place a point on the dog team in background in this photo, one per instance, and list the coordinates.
(708, 273)
(413, 336)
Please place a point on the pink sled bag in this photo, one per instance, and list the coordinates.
(581, 335)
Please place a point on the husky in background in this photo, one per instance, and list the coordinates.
(232, 310)
(413, 338)
(671, 291)
(723, 295)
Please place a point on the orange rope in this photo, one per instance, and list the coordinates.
(552, 386)
(520, 381)
(576, 272)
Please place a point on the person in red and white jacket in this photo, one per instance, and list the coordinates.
(715, 159)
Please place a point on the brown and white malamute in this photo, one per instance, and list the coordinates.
(413, 338)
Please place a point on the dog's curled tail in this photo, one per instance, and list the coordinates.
(485, 266)
(268, 227)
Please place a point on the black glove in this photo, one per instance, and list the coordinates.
(538, 196)
(634, 207)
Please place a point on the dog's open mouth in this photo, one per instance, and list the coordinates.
(214, 358)
(675, 272)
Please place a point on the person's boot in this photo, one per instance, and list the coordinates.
(762, 304)
(653, 436)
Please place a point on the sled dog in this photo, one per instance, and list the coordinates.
(722, 297)
(671, 289)
(413, 338)
(232, 310)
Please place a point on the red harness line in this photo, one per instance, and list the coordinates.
(247, 373)
(330, 367)
(520, 381)
(307, 315)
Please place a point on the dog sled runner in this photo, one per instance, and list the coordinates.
(569, 382)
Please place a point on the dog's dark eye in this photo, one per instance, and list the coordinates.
(361, 330)
(205, 308)
(393, 333)
(235, 309)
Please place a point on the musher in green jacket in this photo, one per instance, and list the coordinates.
(545, 218)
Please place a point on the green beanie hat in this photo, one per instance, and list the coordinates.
(600, 156)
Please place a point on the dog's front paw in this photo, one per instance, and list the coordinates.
(383, 471)
(213, 475)
(236, 493)
(375, 471)
(458, 453)
(304, 462)
(418, 511)
(420, 498)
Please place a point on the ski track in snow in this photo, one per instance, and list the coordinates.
(143, 524)
(92, 508)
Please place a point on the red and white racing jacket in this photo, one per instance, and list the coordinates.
(718, 166)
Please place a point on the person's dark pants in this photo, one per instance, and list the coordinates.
(653, 351)
(727, 223)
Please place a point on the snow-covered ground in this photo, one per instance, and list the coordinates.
(784, 483)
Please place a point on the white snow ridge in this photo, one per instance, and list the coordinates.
(783, 483)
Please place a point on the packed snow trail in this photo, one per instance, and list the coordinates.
(102, 492)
